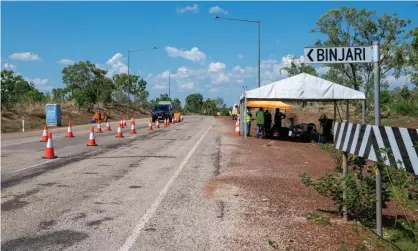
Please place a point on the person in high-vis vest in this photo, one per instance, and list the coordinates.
(249, 115)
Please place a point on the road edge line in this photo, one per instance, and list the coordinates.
(153, 208)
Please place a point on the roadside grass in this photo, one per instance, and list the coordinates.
(318, 218)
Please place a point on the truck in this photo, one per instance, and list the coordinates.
(235, 112)
(163, 110)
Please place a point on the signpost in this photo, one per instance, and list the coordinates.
(354, 54)
(339, 55)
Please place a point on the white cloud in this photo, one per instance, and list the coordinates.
(216, 67)
(270, 68)
(116, 65)
(160, 86)
(194, 54)
(66, 61)
(187, 86)
(25, 56)
(40, 84)
(10, 67)
(240, 56)
(217, 9)
(193, 8)
(220, 78)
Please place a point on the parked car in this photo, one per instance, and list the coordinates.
(163, 110)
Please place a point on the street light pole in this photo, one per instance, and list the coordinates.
(169, 84)
(129, 77)
(259, 41)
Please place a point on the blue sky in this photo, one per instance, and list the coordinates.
(214, 57)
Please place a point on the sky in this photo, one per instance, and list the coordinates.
(213, 57)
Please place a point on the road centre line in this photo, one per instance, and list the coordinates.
(163, 193)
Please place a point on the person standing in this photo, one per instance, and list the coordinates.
(249, 116)
(267, 123)
(278, 116)
(260, 122)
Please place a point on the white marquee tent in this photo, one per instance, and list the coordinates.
(302, 87)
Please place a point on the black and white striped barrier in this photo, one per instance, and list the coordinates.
(366, 140)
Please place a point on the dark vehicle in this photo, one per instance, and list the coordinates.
(162, 111)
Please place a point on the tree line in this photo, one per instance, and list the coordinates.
(399, 56)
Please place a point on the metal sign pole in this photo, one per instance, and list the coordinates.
(376, 54)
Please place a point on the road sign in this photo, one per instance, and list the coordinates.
(339, 55)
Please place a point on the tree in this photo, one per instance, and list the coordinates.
(209, 107)
(177, 105)
(87, 83)
(411, 58)
(348, 27)
(194, 103)
(15, 89)
(295, 69)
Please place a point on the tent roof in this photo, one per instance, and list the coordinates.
(268, 104)
(304, 87)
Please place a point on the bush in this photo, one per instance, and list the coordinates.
(397, 186)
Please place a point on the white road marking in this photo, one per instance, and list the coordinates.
(34, 165)
(153, 208)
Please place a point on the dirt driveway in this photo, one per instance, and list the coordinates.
(263, 198)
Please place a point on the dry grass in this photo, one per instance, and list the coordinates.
(34, 115)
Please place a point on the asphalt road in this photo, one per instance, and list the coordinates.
(141, 192)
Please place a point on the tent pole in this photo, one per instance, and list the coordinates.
(245, 115)
(345, 164)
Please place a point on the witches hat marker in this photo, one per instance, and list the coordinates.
(92, 141)
(49, 150)
(45, 134)
(119, 134)
(157, 124)
(99, 127)
(133, 131)
(150, 125)
(108, 126)
(70, 131)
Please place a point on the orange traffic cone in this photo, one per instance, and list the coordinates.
(49, 150)
(121, 122)
(119, 134)
(173, 120)
(132, 120)
(165, 122)
(70, 131)
(237, 128)
(150, 125)
(157, 124)
(45, 134)
(92, 141)
(133, 131)
(108, 126)
(99, 127)
(124, 122)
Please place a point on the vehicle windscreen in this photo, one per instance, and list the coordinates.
(162, 107)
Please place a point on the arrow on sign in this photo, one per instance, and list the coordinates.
(309, 55)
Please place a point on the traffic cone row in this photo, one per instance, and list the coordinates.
(47, 137)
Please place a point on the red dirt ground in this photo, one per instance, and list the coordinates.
(259, 183)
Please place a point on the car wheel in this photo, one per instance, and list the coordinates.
(170, 119)
(153, 120)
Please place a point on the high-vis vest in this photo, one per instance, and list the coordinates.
(248, 117)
